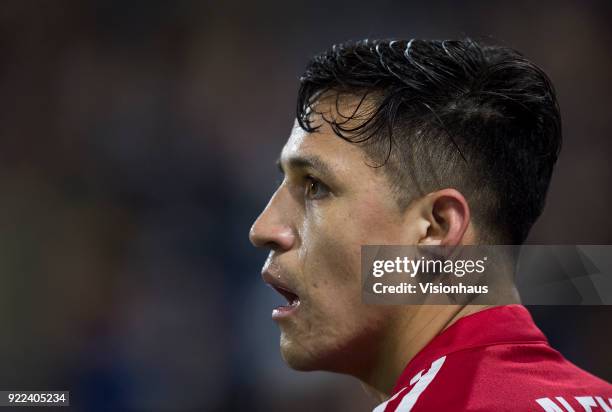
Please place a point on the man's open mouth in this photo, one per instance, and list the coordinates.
(293, 302)
(292, 298)
(280, 285)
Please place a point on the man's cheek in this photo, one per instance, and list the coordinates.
(336, 264)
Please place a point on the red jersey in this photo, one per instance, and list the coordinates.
(495, 360)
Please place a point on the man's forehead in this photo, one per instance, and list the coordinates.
(323, 143)
(296, 142)
(348, 109)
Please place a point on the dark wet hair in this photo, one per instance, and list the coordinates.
(436, 114)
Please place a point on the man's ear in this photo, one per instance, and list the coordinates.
(448, 216)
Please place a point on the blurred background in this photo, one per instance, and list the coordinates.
(137, 145)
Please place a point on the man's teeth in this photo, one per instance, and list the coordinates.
(291, 297)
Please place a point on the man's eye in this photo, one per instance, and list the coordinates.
(315, 189)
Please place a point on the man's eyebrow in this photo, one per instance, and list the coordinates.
(306, 162)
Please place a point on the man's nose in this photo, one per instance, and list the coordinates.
(271, 230)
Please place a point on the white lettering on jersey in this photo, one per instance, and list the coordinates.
(587, 403)
(382, 406)
(420, 382)
(563, 402)
(548, 405)
(602, 403)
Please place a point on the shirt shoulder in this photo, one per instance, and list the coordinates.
(495, 360)
(502, 377)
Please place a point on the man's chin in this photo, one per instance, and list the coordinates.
(300, 358)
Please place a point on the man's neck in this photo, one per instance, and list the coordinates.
(418, 326)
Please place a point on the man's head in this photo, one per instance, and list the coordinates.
(420, 142)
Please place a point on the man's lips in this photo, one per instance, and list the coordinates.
(278, 284)
(292, 298)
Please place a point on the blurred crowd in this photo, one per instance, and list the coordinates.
(138, 141)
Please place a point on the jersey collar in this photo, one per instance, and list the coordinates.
(492, 326)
